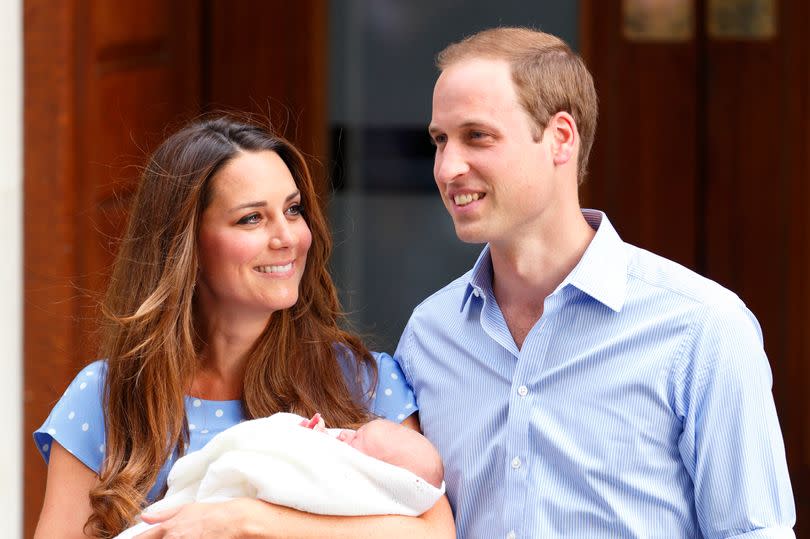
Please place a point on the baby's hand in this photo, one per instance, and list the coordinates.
(316, 423)
(347, 436)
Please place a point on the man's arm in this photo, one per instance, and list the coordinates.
(731, 442)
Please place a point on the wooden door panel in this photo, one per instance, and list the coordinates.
(731, 124)
(269, 57)
(643, 170)
(102, 80)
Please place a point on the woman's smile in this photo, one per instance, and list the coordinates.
(253, 238)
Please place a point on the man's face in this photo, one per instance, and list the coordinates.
(493, 169)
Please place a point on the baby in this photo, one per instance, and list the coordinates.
(392, 443)
(381, 468)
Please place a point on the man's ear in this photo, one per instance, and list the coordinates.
(565, 137)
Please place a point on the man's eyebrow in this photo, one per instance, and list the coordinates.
(433, 129)
(262, 203)
(476, 123)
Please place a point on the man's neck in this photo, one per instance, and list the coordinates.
(529, 268)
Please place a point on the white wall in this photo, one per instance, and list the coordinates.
(11, 267)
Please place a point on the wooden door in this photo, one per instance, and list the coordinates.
(703, 155)
(104, 82)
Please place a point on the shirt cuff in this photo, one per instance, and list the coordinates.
(767, 533)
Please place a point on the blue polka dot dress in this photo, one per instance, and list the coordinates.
(77, 419)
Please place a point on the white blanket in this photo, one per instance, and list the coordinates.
(276, 460)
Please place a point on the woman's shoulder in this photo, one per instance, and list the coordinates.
(393, 398)
(76, 421)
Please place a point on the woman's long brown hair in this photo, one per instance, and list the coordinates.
(148, 328)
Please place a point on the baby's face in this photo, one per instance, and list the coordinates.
(375, 438)
(392, 443)
(368, 439)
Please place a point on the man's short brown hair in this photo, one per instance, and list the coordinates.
(548, 76)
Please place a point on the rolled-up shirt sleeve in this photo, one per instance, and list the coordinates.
(731, 443)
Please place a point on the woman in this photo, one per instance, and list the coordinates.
(219, 309)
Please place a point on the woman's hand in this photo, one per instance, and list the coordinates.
(198, 521)
(250, 518)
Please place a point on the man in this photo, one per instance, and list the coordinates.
(576, 385)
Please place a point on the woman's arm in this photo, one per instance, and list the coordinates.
(67, 503)
(247, 518)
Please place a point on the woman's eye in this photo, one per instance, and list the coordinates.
(250, 219)
(295, 210)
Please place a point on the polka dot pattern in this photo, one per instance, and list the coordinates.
(77, 420)
(396, 400)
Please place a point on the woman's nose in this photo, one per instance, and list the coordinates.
(281, 236)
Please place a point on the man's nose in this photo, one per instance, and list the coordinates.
(450, 163)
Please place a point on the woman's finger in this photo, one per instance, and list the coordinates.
(153, 517)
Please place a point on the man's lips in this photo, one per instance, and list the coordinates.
(463, 199)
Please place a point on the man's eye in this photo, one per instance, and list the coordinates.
(438, 140)
(295, 209)
(477, 134)
(250, 219)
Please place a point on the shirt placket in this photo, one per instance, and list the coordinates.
(524, 403)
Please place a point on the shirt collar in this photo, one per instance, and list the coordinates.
(601, 272)
(480, 283)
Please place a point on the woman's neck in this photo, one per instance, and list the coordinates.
(223, 359)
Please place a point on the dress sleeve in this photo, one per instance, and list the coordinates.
(393, 398)
(731, 443)
(77, 419)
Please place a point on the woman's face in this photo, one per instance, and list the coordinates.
(253, 239)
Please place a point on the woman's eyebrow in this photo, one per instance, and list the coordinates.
(262, 203)
(256, 204)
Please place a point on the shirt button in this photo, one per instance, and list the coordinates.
(516, 463)
(511, 535)
(476, 293)
(523, 391)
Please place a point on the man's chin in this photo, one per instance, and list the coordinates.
(469, 234)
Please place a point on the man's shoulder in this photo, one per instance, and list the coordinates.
(647, 269)
(449, 296)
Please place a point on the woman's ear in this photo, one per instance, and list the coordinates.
(565, 140)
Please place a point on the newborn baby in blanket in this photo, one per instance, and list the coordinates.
(382, 468)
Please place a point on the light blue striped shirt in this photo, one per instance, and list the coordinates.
(639, 405)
